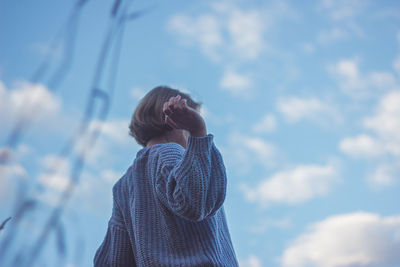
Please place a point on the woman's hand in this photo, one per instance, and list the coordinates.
(179, 115)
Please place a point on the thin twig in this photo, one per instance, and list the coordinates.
(4, 223)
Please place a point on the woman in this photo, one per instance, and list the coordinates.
(168, 206)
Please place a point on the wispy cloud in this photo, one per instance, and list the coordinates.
(114, 134)
(56, 178)
(204, 31)
(214, 117)
(331, 35)
(396, 65)
(295, 108)
(231, 35)
(137, 93)
(357, 84)
(246, 30)
(384, 175)
(343, 9)
(266, 125)
(45, 50)
(354, 239)
(117, 130)
(224, 28)
(270, 223)
(10, 174)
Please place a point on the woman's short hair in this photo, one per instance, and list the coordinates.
(148, 120)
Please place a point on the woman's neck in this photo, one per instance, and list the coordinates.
(157, 140)
(174, 136)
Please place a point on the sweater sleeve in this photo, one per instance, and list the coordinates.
(116, 249)
(192, 182)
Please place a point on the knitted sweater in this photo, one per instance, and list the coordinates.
(168, 210)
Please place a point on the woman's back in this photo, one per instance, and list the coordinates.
(168, 209)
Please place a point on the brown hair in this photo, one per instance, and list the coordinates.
(148, 119)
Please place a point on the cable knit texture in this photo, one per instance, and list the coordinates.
(168, 210)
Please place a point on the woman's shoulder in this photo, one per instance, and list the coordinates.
(162, 150)
(120, 186)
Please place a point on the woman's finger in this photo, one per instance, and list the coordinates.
(171, 103)
(166, 109)
(184, 104)
(180, 104)
(176, 102)
(170, 122)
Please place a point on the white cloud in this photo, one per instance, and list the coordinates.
(244, 152)
(348, 76)
(251, 261)
(57, 173)
(38, 108)
(262, 149)
(354, 239)
(361, 146)
(227, 31)
(56, 182)
(237, 84)
(295, 109)
(383, 145)
(360, 85)
(258, 147)
(266, 125)
(348, 68)
(386, 122)
(54, 179)
(27, 99)
(293, 186)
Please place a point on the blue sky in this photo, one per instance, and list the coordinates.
(303, 98)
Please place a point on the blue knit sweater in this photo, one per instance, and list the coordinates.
(168, 210)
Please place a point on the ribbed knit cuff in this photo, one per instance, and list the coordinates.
(199, 144)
